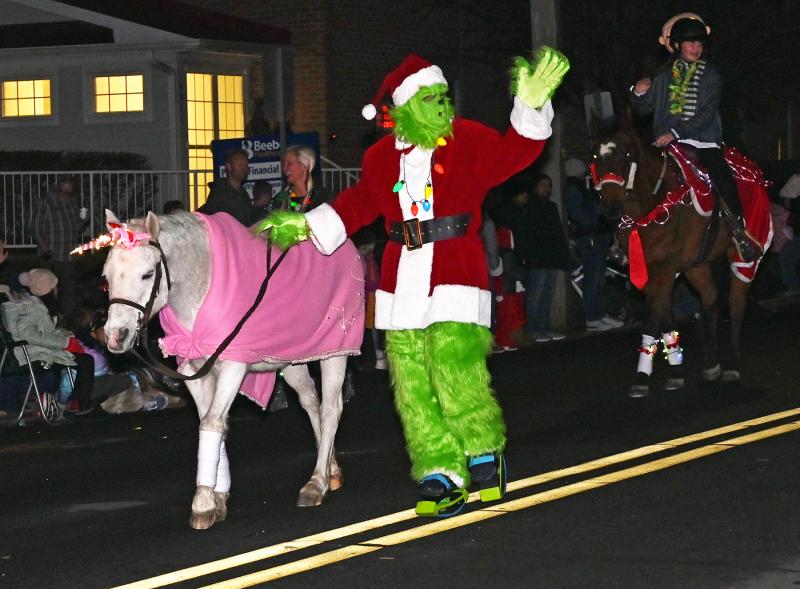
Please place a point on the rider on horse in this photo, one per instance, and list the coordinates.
(684, 100)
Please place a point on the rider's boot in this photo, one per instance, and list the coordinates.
(748, 248)
(439, 496)
(488, 471)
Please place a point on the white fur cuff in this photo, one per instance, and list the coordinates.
(530, 122)
(327, 228)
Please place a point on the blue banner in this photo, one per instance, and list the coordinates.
(264, 156)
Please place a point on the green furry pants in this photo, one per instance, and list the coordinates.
(442, 394)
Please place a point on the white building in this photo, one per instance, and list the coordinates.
(153, 77)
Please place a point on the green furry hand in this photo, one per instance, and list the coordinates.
(286, 228)
(536, 81)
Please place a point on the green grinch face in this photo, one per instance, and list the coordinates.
(427, 116)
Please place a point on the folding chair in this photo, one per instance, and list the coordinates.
(44, 401)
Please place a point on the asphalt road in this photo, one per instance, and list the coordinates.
(105, 502)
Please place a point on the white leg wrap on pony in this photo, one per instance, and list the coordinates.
(672, 349)
(647, 352)
(208, 458)
(223, 471)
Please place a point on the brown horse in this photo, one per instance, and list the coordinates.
(633, 180)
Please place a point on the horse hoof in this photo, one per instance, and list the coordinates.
(712, 373)
(673, 384)
(336, 481)
(203, 521)
(731, 376)
(311, 495)
(639, 391)
(220, 506)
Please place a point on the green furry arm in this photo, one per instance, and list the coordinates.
(536, 81)
(286, 228)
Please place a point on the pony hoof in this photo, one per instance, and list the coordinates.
(220, 506)
(673, 384)
(203, 521)
(639, 391)
(712, 373)
(731, 376)
(336, 481)
(311, 495)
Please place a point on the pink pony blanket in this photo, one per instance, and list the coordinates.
(313, 307)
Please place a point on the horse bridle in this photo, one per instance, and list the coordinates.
(147, 309)
(627, 180)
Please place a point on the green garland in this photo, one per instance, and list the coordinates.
(679, 86)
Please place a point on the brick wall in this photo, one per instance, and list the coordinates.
(344, 48)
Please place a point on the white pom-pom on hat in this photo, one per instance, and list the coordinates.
(369, 112)
(403, 82)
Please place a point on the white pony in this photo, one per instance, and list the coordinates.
(173, 264)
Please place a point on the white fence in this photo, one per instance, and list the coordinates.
(129, 193)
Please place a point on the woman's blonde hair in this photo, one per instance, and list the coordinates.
(307, 157)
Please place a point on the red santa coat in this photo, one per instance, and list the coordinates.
(445, 280)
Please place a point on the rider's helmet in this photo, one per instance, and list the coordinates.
(686, 26)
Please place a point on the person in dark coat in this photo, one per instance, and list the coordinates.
(546, 254)
(227, 194)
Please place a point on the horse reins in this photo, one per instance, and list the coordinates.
(142, 331)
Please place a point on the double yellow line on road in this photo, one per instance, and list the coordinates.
(492, 511)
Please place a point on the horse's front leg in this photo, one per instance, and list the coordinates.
(658, 292)
(708, 325)
(213, 395)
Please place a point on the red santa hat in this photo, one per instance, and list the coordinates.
(405, 81)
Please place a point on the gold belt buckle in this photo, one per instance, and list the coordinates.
(412, 234)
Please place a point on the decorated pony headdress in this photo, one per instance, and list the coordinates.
(403, 82)
(119, 234)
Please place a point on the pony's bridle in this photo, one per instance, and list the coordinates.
(626, 181)
(147, 309)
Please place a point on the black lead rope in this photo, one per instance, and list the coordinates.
(153, 363)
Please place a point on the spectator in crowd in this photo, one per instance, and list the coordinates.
(258, 124)
(299, 194)
(790, 190)
(262, 198)
(786, 247)
(27, 316)
(493, 261)
(227, 195)
(509, 292)
(546, 254)
(58, 222)
(592, 238)
(365, 240)
(3, 251)
(171, 206)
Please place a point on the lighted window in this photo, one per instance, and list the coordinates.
(26, 98)
(119, 93)
(230, 107)
(214, 110)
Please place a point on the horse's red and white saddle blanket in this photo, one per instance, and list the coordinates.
(753, 196)
(313, 308)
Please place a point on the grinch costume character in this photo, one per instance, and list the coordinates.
(428, 180)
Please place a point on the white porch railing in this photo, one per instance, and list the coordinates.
(129, 193)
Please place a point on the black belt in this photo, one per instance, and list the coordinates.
(413, 233)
